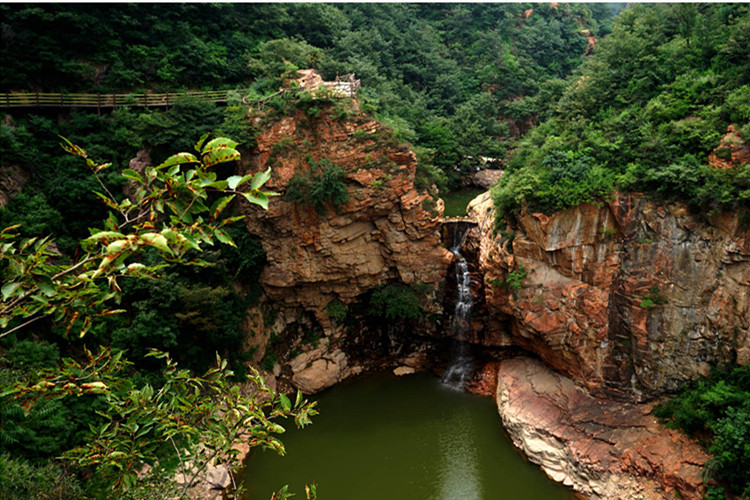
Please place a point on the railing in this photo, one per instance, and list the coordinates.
(63, 100)
(337, 89)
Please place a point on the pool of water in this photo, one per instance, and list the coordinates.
(457, 201)
(409, 438)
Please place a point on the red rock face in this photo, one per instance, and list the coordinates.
(732, 151)
(385, 230)
(633, 298)
(602, 448)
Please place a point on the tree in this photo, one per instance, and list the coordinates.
(168, 212)
(174, 210)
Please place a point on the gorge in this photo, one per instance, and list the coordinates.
(578, 320)
(585, 412)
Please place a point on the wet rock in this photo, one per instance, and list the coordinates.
(322, 373)
(404, 370)
(602, 448)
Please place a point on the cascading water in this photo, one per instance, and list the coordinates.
(462, 365)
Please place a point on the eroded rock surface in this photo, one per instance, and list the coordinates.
(602, 448)
(386, 230)
(634, 298)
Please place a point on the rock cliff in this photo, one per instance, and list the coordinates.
(386, 231)
(632, 298)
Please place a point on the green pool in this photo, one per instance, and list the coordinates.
(457, 201)
(408, 438)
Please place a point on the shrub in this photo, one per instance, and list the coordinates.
(336, 310)
(323, 185)
(397, 301)
(717, 411)
(652, 299)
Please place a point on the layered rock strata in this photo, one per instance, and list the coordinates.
(634, 297)
(601, 448)
(386, 230)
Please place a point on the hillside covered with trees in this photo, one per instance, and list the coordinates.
(576, 101)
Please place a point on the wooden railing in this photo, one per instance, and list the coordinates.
(63, 100)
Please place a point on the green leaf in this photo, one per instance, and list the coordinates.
(260, 179)
(222, 236)
(179, 159)
(199, 144)
(220, 143)
(46, 285)
(131, 174)
(286, 405)
(219, 205)
(234, 181)
(220, 155)
(8, 289)
(258, 198)
(157, 241)
(72, 148)
(105, 237)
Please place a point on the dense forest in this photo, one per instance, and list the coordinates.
(574, 101)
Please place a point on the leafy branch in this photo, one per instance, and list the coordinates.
(169, 212)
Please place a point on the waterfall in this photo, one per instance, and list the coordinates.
(462, 364)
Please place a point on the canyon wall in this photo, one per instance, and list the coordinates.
(633, 298)
(387, 231)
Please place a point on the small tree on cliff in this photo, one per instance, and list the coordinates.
(176, 210)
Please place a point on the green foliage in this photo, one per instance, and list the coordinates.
(186, 416)
(277, 60)
(322, 186)
(161, 217)
(20, 479)
(336, 310)
(513, 279)
(447, 73)
(642, 114)
(282, 146)
(268, 361)
(717, 410)
(653, 298)
(397, 301)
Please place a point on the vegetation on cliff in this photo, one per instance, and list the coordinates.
(716, 410)
(643, 114)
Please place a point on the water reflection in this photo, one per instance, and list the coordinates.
(400, 439)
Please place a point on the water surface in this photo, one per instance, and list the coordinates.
(410, 438)
(457, 201)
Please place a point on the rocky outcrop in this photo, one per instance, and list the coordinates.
(731, 152)
(486, 178)
(632, 297)
(601, 448)
(387, 230)
(12, 179)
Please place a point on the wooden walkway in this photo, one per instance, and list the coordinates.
(337, 89)
(99, 101)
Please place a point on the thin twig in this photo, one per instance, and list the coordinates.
(22, 325)
(179, 457)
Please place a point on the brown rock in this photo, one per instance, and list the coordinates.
(382, 232)
(731, 152)
(602, 448)
(12, 180)
(590, 269)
